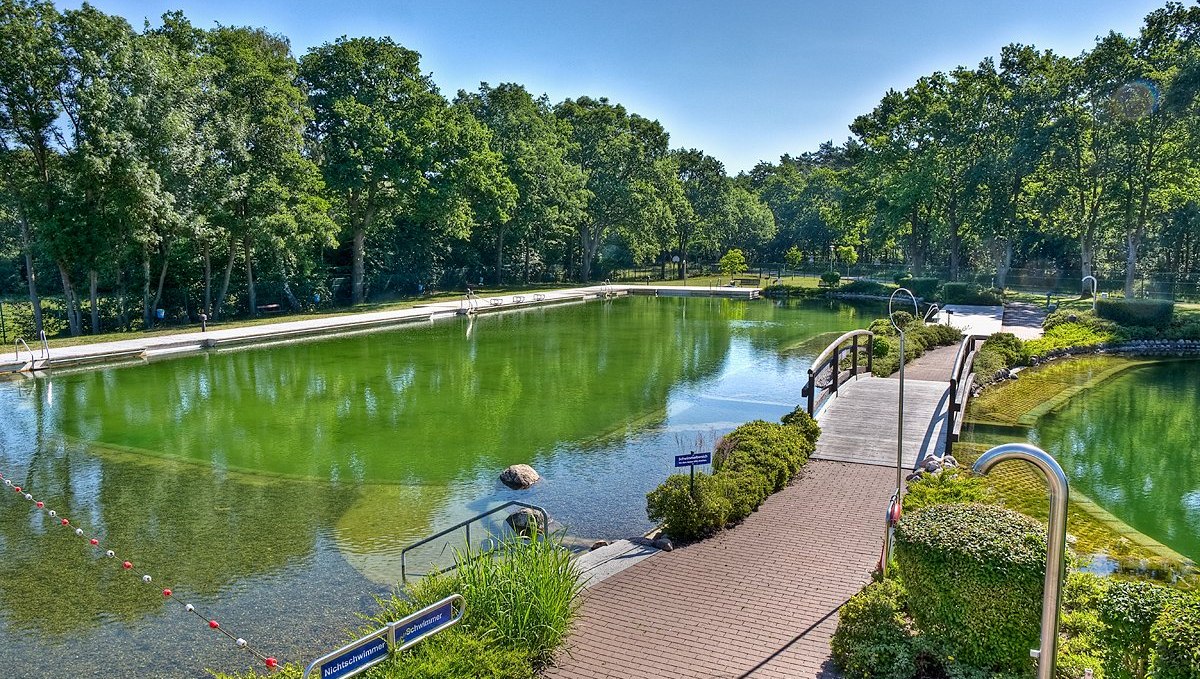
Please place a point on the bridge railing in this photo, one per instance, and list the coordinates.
(961, 380)
(825, 375)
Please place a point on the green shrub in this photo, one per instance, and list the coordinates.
(873, 639)
(1155, 313)
(1075, 657)
(867, 288)
(773, 450)
(901, 278)
(830, 279)
(919, 337)
(1189, 330)
(1128, 609)
(744, 490)
(969, 293)
(1176, 637)
(1001, 351)
(951, 486)
(801, 420)
(687, 516)
(1067, 336)
(523, 594)
(923, 287)
(972, 571)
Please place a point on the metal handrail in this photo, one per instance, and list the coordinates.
(1056, 540)
(833, 355)
(1095, 285)
(45, 346)
(964, 360)
(17, 350)
(467, 524)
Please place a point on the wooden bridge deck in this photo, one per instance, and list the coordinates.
(859, 424)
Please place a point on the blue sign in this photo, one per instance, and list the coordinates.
(693, 459)
(353, 659)
(423, 623)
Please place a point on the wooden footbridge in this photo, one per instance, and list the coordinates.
(857, 410)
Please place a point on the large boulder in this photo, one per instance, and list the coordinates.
(519, 476)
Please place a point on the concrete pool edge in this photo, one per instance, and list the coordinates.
(184, 343)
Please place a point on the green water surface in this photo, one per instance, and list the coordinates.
(275, 487)
(1132, 444)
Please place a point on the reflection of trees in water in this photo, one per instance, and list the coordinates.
(1133, 446)
(194, 532)
(416, 405)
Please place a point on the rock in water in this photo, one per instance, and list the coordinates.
(524, 521)
(519, 476)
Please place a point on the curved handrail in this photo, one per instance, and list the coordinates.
(45, 346)
(933, 309)
(824, 355)
(17, 349)
(466, 524)
(1095, 285)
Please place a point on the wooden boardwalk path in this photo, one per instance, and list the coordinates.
(859, 425)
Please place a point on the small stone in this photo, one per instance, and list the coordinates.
(949, 461)
(664, 544)
(598, 544)
(1071, 539)
(519, 476)
(933, 465)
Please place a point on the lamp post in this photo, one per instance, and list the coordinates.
(895, 505)
(831, 256)
(1056, 540)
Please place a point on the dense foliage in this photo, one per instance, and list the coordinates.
(971, 571)
(749, 463)
(919, 337)
(1152, 313)
(873, 639)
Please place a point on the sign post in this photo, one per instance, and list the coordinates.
(691, 460)
(359, 656)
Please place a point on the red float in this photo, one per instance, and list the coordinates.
(214, 624)
(271, 662)
(166, 592)
(126, 565)
(40, 504)
(17, 488)
(94, 542)
(65, 522)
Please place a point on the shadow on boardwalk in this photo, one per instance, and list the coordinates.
(758, 601)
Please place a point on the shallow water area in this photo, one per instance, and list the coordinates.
(274, 488)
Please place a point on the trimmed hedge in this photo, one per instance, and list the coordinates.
(750, 462)
(867, 288)
(969, 293)
(923, 287)
(873, 639)
(972, 571)
(1176, 636)
(919, 337)
(951, 486)
(1152, 313)
(831, 279)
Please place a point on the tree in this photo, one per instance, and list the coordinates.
(375, 127)
(707, 191)
(534, 146)
(617, 152)
(847, 255)
(794, 257)
(747, 224)
(732, 263)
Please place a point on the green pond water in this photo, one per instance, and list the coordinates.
(275, 487)
(1131, 444)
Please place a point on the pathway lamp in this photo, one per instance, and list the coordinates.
(1056, 540)
(1094, 286)
(897, 499)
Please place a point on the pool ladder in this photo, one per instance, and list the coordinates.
(45, 356)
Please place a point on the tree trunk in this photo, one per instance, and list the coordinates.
(1131, 250)
(251, 291)
(147, 316)
(500, 256)
(1005, 265)
(225, 279)
(207, 279)
(73, 323)
(92, 281)
(35, 301)
(586, 254)
(162, 276)
(955, 239)
(122, 311)
(525, 275)
(357, 273)
(287, 290)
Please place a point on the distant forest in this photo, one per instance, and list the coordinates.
(213, 170)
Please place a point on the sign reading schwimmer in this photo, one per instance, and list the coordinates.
(375, 647)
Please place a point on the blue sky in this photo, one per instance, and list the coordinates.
(744, 80)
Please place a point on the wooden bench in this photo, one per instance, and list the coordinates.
(269, 308)
(753, 282)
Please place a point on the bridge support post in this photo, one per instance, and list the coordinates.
(854, 358)
(812, 393)
(871, 353)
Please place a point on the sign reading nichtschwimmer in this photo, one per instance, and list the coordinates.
(375, 647)
(693, 459)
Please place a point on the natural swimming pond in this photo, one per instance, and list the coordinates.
(275, 487)
(1132, 444)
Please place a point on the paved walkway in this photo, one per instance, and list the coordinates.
(1023, 320)
(974, 320)
(757, 601)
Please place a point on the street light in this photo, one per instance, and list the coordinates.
(894, 507)
(1056, 540)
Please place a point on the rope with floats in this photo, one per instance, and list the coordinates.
(127, 566)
